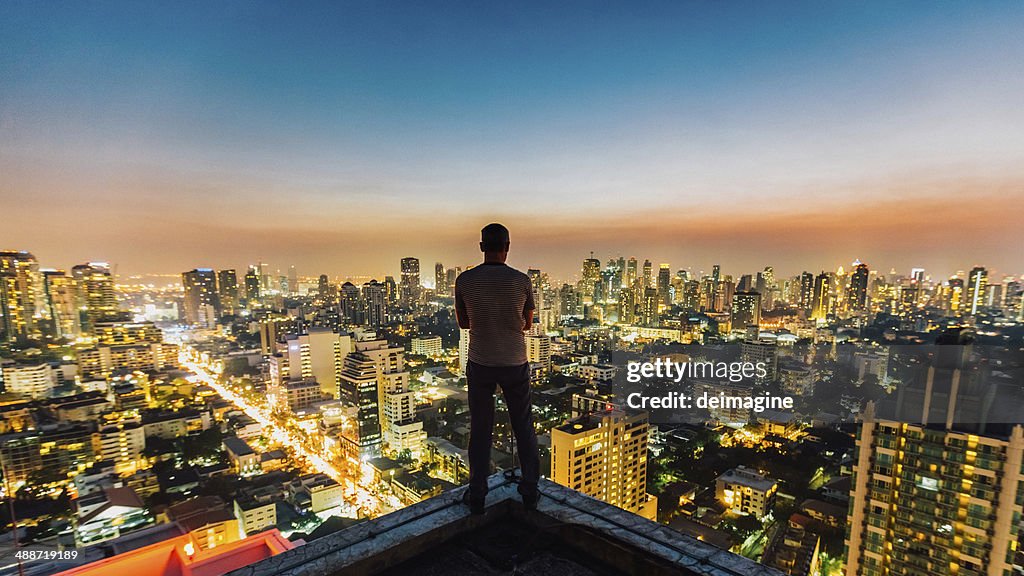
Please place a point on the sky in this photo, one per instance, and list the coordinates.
(340, 137)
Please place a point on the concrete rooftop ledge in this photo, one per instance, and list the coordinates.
(607, 538)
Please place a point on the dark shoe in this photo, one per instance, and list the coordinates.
(530, 500)
(476, 504)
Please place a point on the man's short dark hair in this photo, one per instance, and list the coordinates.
(493, 238)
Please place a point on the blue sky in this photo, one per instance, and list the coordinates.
(340, 135)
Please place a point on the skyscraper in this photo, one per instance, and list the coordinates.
(61, 296)
(857, 292)
(351, 307)
(202, 303)
(409, 289)
(746, 310)
(293, 280)
(227, 291)
(806, 297)
(648, 275)
(664, 284)
(96, 292)
(358, 387)
(375, 304)
(440, 280)
(252, 285)
(19, 293)
(938, 480)
(976, 283)
(821, 304)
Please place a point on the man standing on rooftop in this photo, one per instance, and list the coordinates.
(495, 302)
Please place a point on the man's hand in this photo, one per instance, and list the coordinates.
(527, 319)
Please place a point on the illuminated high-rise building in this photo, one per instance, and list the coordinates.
(324, 290)
(806, 296)
(375, 304)
(440, 280)
(20, 294)
(630, 274)
(293, 280)
(746, 310)
(821, 304)
(857, 291)
(976, 285)
(227, 291)
(61, 297)
(252, 285)
(202, 303)
(351, 304)
(591, 277)
(649, 307)
(938, 483)
(358, 387)
(96, 292)
(390, 290)
(410, 289)
(664, 284)
(648, 274)
(603, 454)
(318, 354)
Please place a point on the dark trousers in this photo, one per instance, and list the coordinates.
(515, 386)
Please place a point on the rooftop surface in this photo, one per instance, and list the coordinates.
(569, 534)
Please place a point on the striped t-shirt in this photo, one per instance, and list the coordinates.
(493, 297)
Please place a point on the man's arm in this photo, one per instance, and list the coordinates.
(529, 307)
(461, 316)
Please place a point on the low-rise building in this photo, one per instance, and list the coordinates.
(746, 491)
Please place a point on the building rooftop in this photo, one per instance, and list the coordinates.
(569, 534)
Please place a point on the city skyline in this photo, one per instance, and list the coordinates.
(343, 138)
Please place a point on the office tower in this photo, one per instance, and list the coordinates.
(351, 304)
(96, 292)
(937, 479)
(453, 274)
(282, 283)
(821, 303)
(227, 291)
(324, 290)
(358, 387)
(630, 275)
(264, 275)
(603, 454)
(627, 306)
(375, 304)
(396, 402)
(648, 275)
(20, 294)
(746, 310)
(591, 278)
(976, 283)
(293, 280)
(857, 291)
(746, 283)
(317, 354)
(664, 283)
(409, 290)
(440, 280)
(202, 304)
(391, 290)
(649, 307)
(61, 297)
(252, 285)
(806, 298)
(568, 302)
(954, 296)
